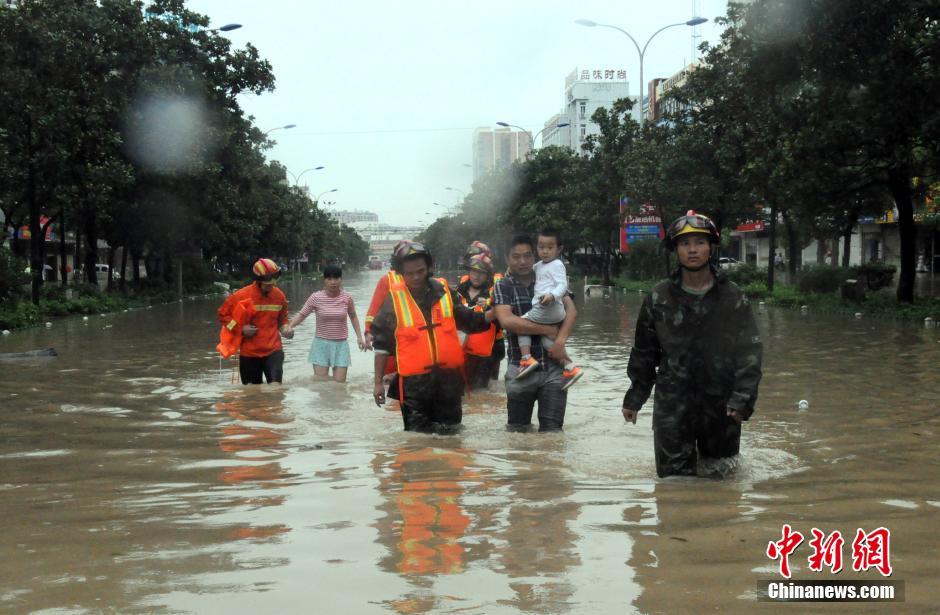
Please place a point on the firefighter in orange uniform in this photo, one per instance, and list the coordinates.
(261, 350)
(481, 350)
(418, 324)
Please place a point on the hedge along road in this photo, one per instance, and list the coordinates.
(137, 477)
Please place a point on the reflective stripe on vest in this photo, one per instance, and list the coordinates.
(421, 347)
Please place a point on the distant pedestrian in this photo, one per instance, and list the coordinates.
(333, 305)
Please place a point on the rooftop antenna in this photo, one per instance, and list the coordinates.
(695, 32)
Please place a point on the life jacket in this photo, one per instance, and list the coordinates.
(496, 278)
(230, 336)
(480, 344)
(421, 347)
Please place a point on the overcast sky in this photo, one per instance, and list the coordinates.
(386, 95)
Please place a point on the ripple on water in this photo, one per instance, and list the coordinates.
(901, 504)
(36, 454)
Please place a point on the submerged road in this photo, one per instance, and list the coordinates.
(137, 478)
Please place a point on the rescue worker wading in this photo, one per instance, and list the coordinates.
(260, 310)
(697, 341)
(482, 351)
(418, 324)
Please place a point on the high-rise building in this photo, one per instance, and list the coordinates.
(586, 90)
(659, 103)
(498, 148)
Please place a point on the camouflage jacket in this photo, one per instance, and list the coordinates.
(705, 347)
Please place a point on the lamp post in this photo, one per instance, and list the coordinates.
(227, 27)
(463, 195)
(642, 51)
(317, 200)
(529, 132)
(448, 209)
(297, 177)
(285, 127)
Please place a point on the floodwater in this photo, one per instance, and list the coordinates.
(135, 477)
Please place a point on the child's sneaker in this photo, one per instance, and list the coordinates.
(570, 376)
(527, 366)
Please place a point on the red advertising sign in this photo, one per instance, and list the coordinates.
(751, 227)
(645, 224)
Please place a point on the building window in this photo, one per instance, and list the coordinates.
(583, 131)
(583, 110)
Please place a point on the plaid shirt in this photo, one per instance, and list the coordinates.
(509, 292)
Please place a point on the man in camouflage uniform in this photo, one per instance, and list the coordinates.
(698, 330)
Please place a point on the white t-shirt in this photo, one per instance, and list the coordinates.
(550, 279)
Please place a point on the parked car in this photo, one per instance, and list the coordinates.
(102, 271)
(726, 262)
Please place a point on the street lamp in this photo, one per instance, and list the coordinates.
(286, 127)
(591, 24)
(448, 209)
(529, 132)
(227, 27)
(463, 195)
(317, 200)
(297, 177)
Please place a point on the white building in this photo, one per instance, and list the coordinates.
(586, 90)
(349, 217)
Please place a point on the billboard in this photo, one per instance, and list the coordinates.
(637, 226)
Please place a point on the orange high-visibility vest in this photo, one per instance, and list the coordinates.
(480, 344)
(421, 347)
(496, 278)
(230, 336)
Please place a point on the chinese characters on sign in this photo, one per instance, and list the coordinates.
(646, 224)
(607, 74)
(869, 550)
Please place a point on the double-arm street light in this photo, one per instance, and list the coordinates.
(297, 177)
(529, 132)
(642, 51)
(317, 200)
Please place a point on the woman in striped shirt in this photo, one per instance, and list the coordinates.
(332, 305)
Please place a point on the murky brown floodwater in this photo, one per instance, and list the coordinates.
(135, 477)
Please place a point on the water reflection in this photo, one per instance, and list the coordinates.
(538, 544)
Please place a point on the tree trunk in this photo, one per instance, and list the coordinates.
(773, 247)
(847, 246)
(135, 256)
(36, 239)
(899, 182)
(91, 248)
(77, 258)
(820, 251)
(63, 254)
(111, 250)
(794, 254)
(123, 282)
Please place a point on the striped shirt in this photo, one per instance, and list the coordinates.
(332, 313)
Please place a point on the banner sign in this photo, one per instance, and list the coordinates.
(645, 224)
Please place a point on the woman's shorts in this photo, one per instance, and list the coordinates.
(329, 353)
